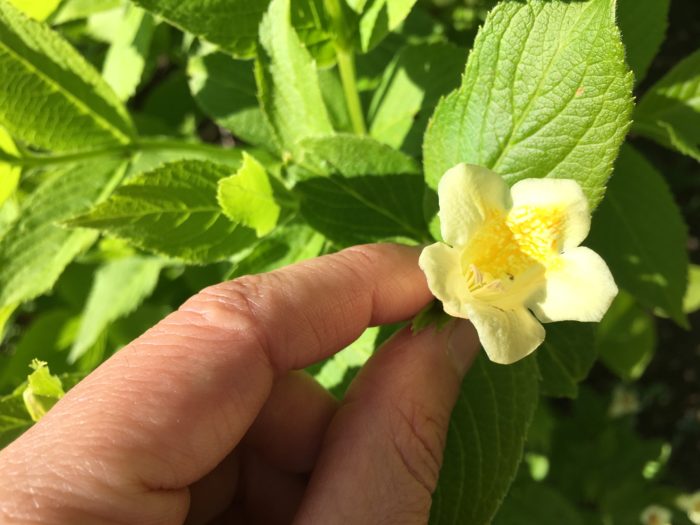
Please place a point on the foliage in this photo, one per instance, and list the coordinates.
(154, 147)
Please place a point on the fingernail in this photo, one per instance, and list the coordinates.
(462, 345)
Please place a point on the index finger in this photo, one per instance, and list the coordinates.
(167, 408)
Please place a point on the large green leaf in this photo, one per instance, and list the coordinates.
(361, 190)
(288, 83)
(126, 57)
(485, 441)
(626, 338)
(643, 25)
(546, 93)
(173, 211)
(225, 90)
(670, 111)
(35, 250)
(640, 233)
(566, 357)
(120, 286)
(412, 84)
(50, 96)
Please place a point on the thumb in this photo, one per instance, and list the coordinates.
(383, 450)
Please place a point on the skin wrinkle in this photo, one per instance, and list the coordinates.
(417, 452)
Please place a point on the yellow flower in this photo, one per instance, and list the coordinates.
(512, 252)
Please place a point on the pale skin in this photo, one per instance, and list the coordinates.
(206, 418)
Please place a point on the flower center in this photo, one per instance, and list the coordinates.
(508, 245)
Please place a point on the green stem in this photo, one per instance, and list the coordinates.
(127, 150)
(346, 65)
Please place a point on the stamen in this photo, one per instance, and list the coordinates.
(478, 277)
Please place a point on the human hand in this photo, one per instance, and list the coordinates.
(205, 418)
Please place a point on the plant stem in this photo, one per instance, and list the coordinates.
(346, 65)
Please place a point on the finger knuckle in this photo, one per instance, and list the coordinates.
(234, 306)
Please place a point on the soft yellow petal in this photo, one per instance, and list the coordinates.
(506, 335)
(563, 194)
(468, 194)
(579, 287)
(441, 266)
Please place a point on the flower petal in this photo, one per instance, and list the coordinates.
(506, 335)
(467, 195)
(557, 193)
(579, 287)
(441, 266)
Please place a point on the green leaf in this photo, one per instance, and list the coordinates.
(485, 441)
(230, 24)
(314, 27)
(50, 96)
(594, 459)
(172, 151)
(48, 338)
(566, 357)
(288, 84)
(233, 24)
(225, 90)
(246, 197)
(5, 316)
(670, 111)
(412, 84)
(529, 503)
(283, 246)
(640, 233)
(71, 10)
(377, 18)
(126, 57)
(361, 190)
(37, 9)
(643, 25)
(354, 156)
(626, 338)
(34, 251)
(173, 211)
(14, 419)
(334, 98)
(9, 174)
(119, 288)
(333, 372)
(546, 93)
(42, 392)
